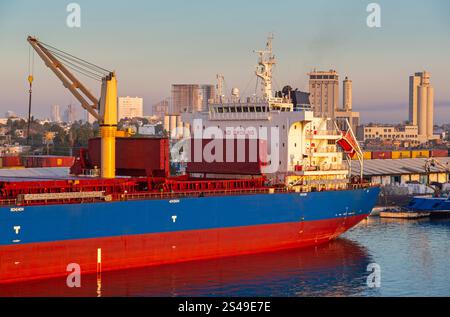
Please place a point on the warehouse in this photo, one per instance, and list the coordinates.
(391, 172)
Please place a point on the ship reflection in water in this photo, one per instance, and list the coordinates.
(413, 256)
(337, 268)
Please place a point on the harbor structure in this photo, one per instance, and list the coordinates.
(403, 171)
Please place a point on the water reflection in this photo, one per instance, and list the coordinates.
(334, 269)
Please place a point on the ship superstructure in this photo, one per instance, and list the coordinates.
(302, 149)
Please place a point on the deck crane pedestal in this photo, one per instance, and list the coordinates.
(104, 110)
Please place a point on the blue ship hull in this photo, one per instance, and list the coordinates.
(40, 241)
(434, 205)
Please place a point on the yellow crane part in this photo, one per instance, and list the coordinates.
(108, 128)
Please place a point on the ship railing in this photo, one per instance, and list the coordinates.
(361, 186)
(178, 195)
(7, 202)
(193, 194)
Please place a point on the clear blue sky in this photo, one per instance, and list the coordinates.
(152, 44)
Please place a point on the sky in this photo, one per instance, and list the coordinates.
(152, 44)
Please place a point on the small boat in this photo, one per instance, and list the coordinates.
(403, 213)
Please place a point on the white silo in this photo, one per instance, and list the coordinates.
(167, 123)
(430, 111)
(347, 95)
(179, 128)
(173, 125)
(422, 107)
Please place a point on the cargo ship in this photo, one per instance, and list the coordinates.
(125, 210)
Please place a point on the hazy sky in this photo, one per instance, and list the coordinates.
(152, 44)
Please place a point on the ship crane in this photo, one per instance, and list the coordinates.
(103, 109)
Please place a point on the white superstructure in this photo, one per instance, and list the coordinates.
(301, 148)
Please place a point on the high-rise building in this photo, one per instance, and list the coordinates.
(161, 108)
(70, 114)
(324, 90)
(208, 93)
(185, 97)
(191, 98)
(56, 114)
(130, 107)
(421, 103)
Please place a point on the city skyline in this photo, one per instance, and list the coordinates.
(150, 53)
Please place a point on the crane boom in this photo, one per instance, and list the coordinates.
(81, 93)
(105, 110)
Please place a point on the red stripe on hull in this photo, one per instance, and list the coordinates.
(45, 260)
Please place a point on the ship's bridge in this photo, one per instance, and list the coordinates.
(255, 109)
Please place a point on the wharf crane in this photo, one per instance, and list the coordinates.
(103, 109)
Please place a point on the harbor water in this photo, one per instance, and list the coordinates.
(413, 258)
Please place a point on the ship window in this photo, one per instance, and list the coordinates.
(233, 109)
(258, 109)
(252, 109)
(220, 110)
(226, 109)
(239, 109)
(245, 109)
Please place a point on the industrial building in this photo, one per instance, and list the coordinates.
(408, 133)
(191, 98)
(421, 105)
(398, 172)
(324, 97)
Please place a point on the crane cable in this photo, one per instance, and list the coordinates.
(77, 64)
(30, 81)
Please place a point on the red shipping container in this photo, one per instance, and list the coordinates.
(136, 156)
(381, 155)
(229, 156)
(47, 161)
(10, 161)
(439, 153)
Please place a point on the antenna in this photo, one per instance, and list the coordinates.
(264, 69)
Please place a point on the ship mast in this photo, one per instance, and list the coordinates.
(265, 66)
